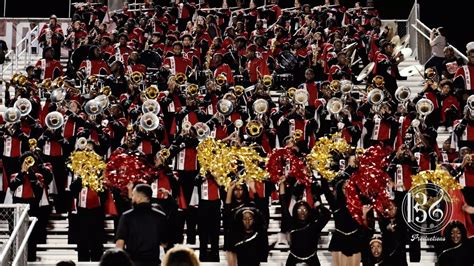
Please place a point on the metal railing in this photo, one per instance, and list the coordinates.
(14, 222)
(22, 48)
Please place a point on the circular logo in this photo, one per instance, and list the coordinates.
(427, 208)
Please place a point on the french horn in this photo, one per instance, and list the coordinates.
(24, 105)
(151, 106)
(149, 121)
(54, 120)
(254, 128)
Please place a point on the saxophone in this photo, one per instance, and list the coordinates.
(315, 52)
(209, 54)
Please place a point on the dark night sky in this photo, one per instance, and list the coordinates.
(451, 14)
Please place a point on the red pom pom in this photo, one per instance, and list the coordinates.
(282, 158)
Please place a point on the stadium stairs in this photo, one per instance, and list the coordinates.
(57, 248)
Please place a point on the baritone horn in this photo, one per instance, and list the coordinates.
(24, 105)
(54, 120)
(334, 105)
(402, 94)
(254, 128)
(149, 121)
(375, 96)
(180, 78)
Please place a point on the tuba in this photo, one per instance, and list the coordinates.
(254, 128)
(267, 81)
(103, 101)
(12, 115)
(54, 120)
(375, 97)
(93, 107)
(225, 107)
(260, 106)
(424, 107)
(24, 105)
(402, 94)
(151, 92)
(301, 96)
(192, 90)
(334, 105)
(136, 77)
(221, 79)
(239, 90)
(149, 121)
(202, 130)
(180, 78)
(151, 106)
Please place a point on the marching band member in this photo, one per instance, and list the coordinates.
(94, 65)
(463, 76)
(50, 67)
(51, 35)
(177, 63)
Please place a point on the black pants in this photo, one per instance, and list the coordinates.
(468, 193)
(91, 234)
(58, 163)
(189, 215)
(209, 217)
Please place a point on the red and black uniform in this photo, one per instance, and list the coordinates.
(401, 170)
(52, 36)
(50, 68)
(95, 67)
(463, 78)
(257, 68)
(380, 129)
(177, 64)
(464, 133)
(15, 142)
(225, 70)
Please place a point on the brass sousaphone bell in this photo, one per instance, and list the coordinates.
(12, 115)
(24, 105)
(301, 96)
(225, 107)
(149, 121)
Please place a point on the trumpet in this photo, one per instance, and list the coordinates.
(54, 120)
(180, 78)
(151, 92)
(267, 81)
(239, 90)
(297, 134)
(375, 96)
(334, 105)
(192, 90)
(402, 94)
(30, 161)
(106, 90)
(136, 77)
(149, 121)
(221, 79)
(46, 84)
(165, 153)
(33, 143)
(291, 92)
(254, 128)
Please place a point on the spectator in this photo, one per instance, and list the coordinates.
(438, 43)
(113, 257)
(180, 256)
(142, 229)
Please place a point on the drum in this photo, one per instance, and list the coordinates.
(287, 61)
